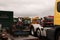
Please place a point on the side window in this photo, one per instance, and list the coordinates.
(58, 6)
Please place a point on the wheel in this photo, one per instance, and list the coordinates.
(32, 31)
(38, 33)
(58, 36)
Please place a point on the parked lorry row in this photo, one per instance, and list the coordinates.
(48, 26)
(22, 25)
(14, 26)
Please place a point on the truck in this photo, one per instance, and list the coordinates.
(52, 31)
(35, 25)
(21, 26)
(6, 20)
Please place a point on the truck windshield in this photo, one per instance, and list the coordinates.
(58, 6)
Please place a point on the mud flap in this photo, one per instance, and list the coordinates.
(50, 34)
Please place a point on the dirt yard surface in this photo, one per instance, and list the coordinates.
(26, 38)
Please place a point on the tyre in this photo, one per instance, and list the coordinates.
(58, 36)
(32, 31)
(38, 33)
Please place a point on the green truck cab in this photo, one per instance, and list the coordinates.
(6, 20)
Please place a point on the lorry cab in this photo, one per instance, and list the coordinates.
(21, 26)
(57, 13)
(6, 19)
(47, 21)
(35, 26)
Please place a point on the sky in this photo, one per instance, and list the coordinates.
(28, 7)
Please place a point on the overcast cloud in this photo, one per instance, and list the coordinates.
(28, 7)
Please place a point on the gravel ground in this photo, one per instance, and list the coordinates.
(26, 38)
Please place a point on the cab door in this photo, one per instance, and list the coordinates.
(57, 13)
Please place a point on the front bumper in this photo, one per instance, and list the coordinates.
(19, 33)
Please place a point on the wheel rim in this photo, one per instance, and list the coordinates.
(59, 38)
(38, 33)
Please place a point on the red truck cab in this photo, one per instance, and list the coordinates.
(47, 21)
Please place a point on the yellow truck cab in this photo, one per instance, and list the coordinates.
(57, 19)
(57, 13)
(35, 20)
